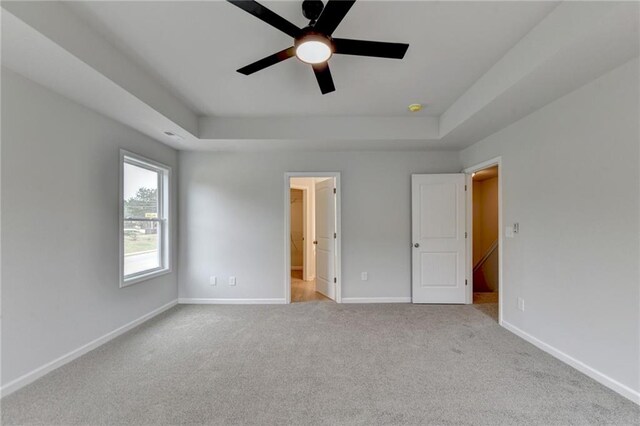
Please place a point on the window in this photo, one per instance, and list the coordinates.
(144, 221)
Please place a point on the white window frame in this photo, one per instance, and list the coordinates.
(164, 208)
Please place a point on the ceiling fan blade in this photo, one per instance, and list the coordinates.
(378, 49)
(266, 15)
(332, 14)
(323, 75)
(268, 61)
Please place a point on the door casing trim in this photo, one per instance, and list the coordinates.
(287, 225)
(497, 161)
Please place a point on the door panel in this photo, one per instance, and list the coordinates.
(438, 208)
(439, 243)
(325, 236)
(438, 269)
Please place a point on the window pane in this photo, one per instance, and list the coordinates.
(141, 246)
(140, 192)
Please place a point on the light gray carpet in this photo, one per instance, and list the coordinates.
(318, 363)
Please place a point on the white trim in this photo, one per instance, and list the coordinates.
(33, 375)
(305, 232)
(287, 224)
(144, 277)
(224, 301)
(497, 161)
(376, 300)
(596, 375)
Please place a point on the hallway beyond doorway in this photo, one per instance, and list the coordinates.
(312, 235)
(304, 291)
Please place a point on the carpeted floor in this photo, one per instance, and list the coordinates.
(318, 363)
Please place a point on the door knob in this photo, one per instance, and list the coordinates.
(315, 242)
(416, 245)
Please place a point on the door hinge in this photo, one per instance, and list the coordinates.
(465, 282)
(335, 280)
(465, 187)
(335, 235)
(465, 235)
(334, 190)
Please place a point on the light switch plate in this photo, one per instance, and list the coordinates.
(521, 304)
(232, 280)
(364, 276)
(508, 232)
(213, 280)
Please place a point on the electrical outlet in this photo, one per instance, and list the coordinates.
(364, 276)
(521, 304)
(232, 280)
(213, 280)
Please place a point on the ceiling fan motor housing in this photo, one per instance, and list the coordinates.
(308, 34)
(311, 9)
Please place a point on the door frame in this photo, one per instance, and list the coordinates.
(305, 206)
(287, 226)
(497, 161)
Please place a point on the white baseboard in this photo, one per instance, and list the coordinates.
(34, 375)
(376, 300)
(596, 375)
(223, 301)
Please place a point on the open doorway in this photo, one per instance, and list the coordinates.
(312, 238)
(303, 279)
(485, 236)
(485, 251)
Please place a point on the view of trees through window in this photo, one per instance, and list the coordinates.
(142, 228)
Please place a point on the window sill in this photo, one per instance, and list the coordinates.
(140, 278)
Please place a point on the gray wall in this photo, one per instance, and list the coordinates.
(232, 219)
(60, 287)
(571, 179)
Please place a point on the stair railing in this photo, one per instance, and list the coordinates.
(484, 258)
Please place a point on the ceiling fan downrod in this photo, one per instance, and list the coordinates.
(311, 9)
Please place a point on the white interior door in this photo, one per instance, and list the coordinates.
(438, 232)
(326, 238)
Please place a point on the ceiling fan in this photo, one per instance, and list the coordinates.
(313, 44)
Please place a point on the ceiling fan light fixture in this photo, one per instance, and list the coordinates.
(314, 44)
(313, 49)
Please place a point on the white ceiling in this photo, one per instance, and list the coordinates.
(161, 66)
(194, 48)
